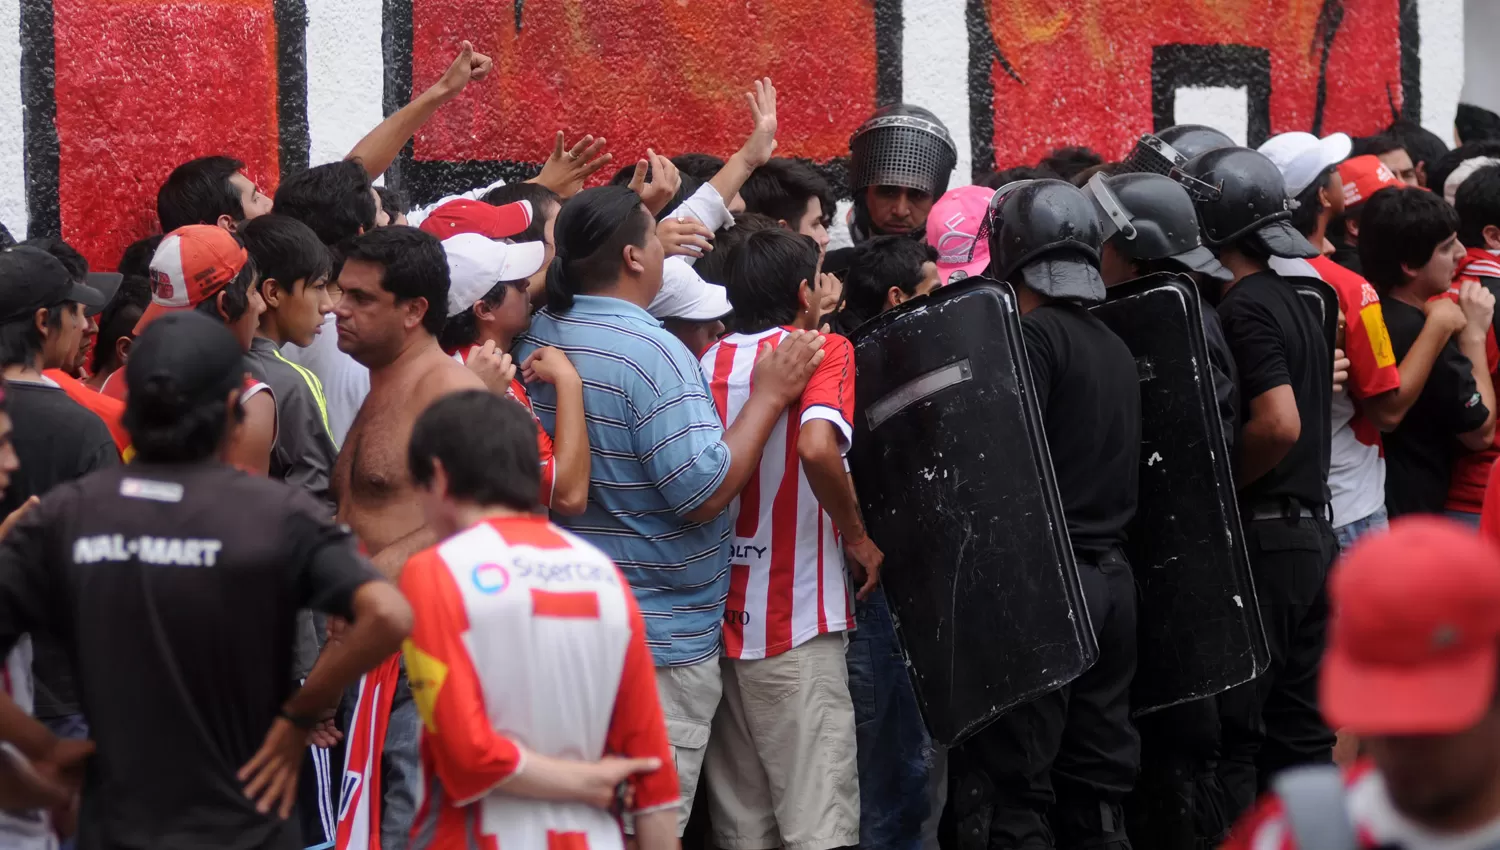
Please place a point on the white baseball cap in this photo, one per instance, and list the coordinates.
(476, 263)
(1303, 156)
(686, 295)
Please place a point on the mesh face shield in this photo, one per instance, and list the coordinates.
(902, 150)
(1153, 155)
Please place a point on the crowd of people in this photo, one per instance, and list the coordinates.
(523, 518)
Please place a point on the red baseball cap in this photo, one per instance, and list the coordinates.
(465, 216)
(1363, 176)
(1415, 637)
(190, 266)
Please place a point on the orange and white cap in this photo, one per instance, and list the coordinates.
(192, 264)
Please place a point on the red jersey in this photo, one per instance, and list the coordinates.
(517, 391)
(1376, 822)
(526, 636)
(1367, 342)
(112, 411)
(1471, 470)
(787, 583)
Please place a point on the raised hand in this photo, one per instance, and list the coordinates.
(762, 142)
(663, 185)
(470, 65)
(566, 170)
(684, 237)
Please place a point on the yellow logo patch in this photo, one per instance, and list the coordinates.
(1380, 338)
(426, 675)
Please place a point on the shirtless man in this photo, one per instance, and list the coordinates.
(395, 294)
(395, 290)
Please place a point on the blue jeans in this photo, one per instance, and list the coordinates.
(1347, 534)
(400, 769)
(891, 738)
(70, 726)
(1471, 520)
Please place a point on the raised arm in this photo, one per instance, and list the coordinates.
(379, 148)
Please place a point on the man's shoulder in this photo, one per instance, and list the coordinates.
(440, 374)
(50, 408)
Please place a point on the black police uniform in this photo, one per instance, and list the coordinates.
(1273, 722)
(1058, 768)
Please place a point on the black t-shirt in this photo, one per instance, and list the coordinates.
(1225, 375)
(174, 589)
(57, 440)
(1419, 454)
(1090, 398)
(1277, 341)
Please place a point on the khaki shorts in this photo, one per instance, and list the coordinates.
(689, 696)
(781, 763)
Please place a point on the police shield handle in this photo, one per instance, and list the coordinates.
(784, 370)
(15, 516)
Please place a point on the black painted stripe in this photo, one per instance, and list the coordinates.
(291, 85)
(1411, 61)
(1175, 66)
(395, 48)
(890, 23)
(39, 123)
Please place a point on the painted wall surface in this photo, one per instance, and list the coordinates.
(100, 99)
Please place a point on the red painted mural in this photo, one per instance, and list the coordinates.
(144, 85)
(1085, 66)
(645, 72)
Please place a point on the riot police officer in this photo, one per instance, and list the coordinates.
(1057, 768)
(900, 161)
(1150, 226)
(1285, 366)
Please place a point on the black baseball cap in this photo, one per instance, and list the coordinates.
(180, 362)
(104, 283)
(31, 279)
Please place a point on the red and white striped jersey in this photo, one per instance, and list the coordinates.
(517, 391)
(787, 582)
(526, 637)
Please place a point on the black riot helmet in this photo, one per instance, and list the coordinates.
(902, 145)
(1045, 234)
(1240, 195)
(1150, 217)
(1192, 140)
(1169, 149)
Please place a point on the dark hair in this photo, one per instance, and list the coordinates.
(393, 201)
(487, 445)
(21, 340)
(1309, 207)
(412, 265)
(285, 250)
(1476, 124)
(685, 189)
(540, 197)
(878, 265)
(1402, 227)
(118, 319)
(1421, 144)
(1020, 172)
(462, 330)
(333, 199)
(591, 233)
(1478, 205)
(764, 276)
(781, 189)
(136, 261)
(236, 297)
(1376, 145)
(714, 268)
(198, 192)
(1439, 172)
(76, 264)
(1068, 161)
(702, 166)
(163, 429)
(1108, 169)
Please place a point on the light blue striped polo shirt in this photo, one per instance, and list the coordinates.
(658, 452)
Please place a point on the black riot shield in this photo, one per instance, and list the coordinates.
(951, 464)
(1200, 630)
(1324, 301)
